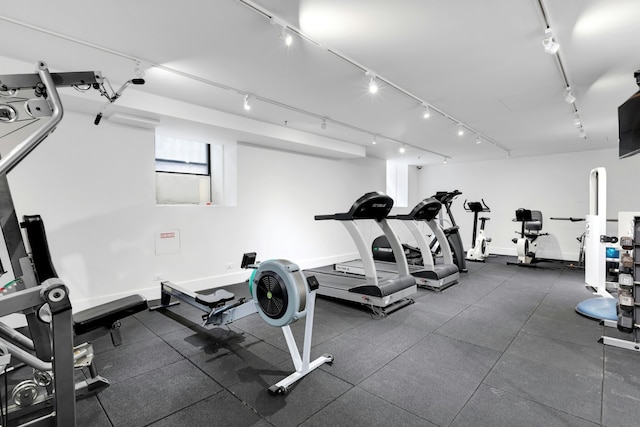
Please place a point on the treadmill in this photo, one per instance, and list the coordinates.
(429, 275)
(387, 292)
(453, 232)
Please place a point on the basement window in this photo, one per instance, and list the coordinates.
(183, 171)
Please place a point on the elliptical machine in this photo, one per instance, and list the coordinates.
(479, 241)
(527, 243)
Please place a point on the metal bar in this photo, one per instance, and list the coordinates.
(20, 151)
(30, 81)
(19, 301)
(57, 297)
(26, 357)
(14, 335)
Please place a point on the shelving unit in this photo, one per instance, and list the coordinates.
(628, 306)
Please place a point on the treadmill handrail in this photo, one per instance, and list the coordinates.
(425, 210)
(373, 205)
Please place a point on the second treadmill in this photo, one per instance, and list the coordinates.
(387, 292)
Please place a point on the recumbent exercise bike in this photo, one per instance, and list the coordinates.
(527, 243)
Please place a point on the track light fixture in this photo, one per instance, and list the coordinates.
(478, 140)
(550, 44)
(576, 120)
(373, 141)
(247, 103)
(140, 69)
(286, 36)
(323, 126)
(460, 129)
(426, 113)
(444, 162)
(373, 85)
(402, 149)
(581, 133)
(568, 96)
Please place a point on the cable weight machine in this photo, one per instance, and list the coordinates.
(35, 291)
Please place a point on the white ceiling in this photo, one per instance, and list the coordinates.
(479, 62)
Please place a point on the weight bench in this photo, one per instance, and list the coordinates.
(96, 321)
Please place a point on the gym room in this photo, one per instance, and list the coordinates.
(176, 180)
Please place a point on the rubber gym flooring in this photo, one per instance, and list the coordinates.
(504, 347)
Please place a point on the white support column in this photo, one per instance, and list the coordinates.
(596, 225)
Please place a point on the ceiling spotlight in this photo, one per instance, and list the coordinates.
(140, 69)
(581, 133)
(402, 150)
(576, 120)
(550, 44)
(373, 141)
(323, 126)
(478, 140)
(426, 113)
(568, 96)
(247, 103)
(286, 36)
(444, 162)
(373, 86)
(460, 129)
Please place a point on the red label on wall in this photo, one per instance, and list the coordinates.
(171, 235)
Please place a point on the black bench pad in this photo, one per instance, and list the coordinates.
(108, 313)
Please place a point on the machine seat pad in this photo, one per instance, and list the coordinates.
(107, 314)
(214, 299)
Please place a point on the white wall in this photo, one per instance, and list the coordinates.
(557, 185)
(95, 189)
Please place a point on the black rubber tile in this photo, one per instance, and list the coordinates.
(131, 360)
(529, 284)
(388, 333)
(89, 412)
(355, 359)
(195, 339)
(310, 394)
(506, 318)
(522, 300)
(472, 289)
(156, 394)
(621, 388)
(238, 363)
(572, 330)
(162, 321)
(358, 408)
(492, 336)
(434, 379)
(441, 302)
(558, 307)
(221, 409)
(497, 408)
(419, 316)
(562, 375)
(131, 330)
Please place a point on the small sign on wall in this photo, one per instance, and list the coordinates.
(167, 242)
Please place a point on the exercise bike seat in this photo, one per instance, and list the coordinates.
(215, 299)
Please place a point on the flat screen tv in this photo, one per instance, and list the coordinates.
(629, 124)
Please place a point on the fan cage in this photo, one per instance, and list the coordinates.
(271, 293)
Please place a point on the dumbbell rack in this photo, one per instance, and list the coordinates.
(628, 306)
